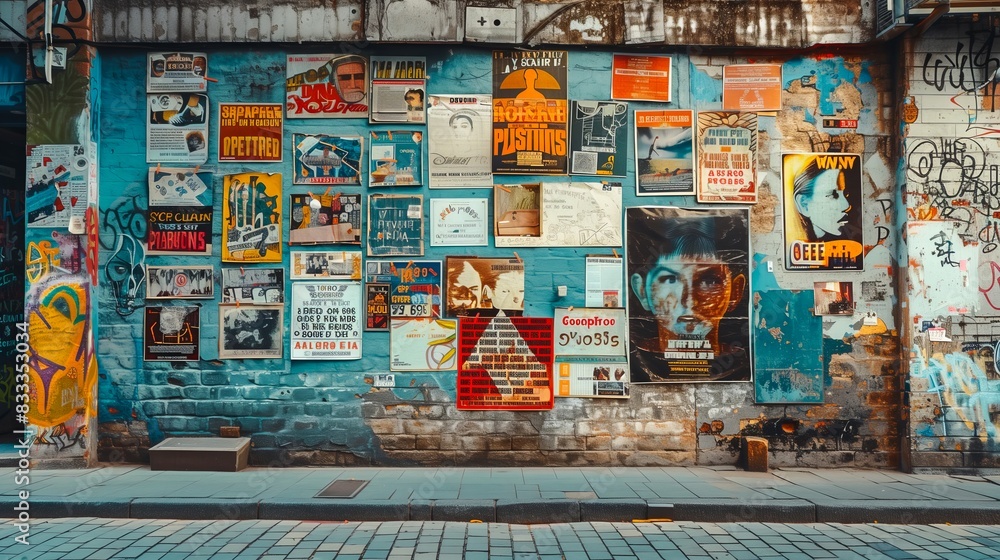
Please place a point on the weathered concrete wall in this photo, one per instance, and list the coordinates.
(328, 412)
(952, 172)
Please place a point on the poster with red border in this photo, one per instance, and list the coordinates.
(505, 363)
(640, 77)
(250, 132)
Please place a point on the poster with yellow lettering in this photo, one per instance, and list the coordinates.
(530, 116)
(252, 213)
(822, 203)
(727, 157)
(250, 132)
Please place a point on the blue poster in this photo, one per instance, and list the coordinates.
(395, 225)
(788, 348)
(321, 159)
(395, 158)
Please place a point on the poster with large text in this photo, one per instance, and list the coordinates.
(688, 304)
(326, 321)
(530, 112)
(459, 130)
(424, 344)
(640, 77)
(599, 138)
(664, 152)
(727, 157)
(56, 192)
(822, 211)
(250, 132)
(414, 286)
(505, 363)
(252, 213)
(179, 230)
(328, 86)
(172, 334)
(177, 128)
(399, 88)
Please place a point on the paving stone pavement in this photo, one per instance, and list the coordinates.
(162, 539)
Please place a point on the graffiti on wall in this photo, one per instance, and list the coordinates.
(62, 363)
(970, 73)
(71, 21)
(123, 228)
(963, 392)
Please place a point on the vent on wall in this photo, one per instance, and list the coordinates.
(885, 15)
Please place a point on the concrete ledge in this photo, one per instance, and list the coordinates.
(196, 508)
(612, 510)
(464, 510)
(745, 511)
(421, 510)
(335, 511)
(546, 511)
(919, 512)
(52, 508)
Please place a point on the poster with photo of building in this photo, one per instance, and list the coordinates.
(251, 230)
(317, 219)
(322, 159)
(327, 86)
(460, 139)
(530, 112)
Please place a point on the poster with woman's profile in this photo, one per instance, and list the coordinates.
(822, 209)
(459, 136)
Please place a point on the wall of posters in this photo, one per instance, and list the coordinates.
(530, 112)
(321, 159)
(172, 334)
(377, 306)
(250, 331)
(56, 189)
(572, 215)
(324, 219)
(250, 132)
(180, 282)
(640, 77)
(423, 344)
(394, 159)
(179, 230)
(459, 129)
(252, 213)
(414, 286)
(727, 157)
(177, 128)
(395, 225)
(664, 152)
(459, 222)
(604, 281)
(599, 138)
(475, 284)
(326, 321)
(329, 265)
(176, 71)
(504, 363)
(399, 88)
(822, 211)
(688, 305)
(751, 87)
(788, 346)
(254, 286)
(330, 86)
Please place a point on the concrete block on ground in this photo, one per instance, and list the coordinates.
(612, 510)
(421, 510)
(330, 510)
(197, 508)
(745, 511)
(754, 453)
(464, 510)
(909, 512)
(545, 511)
(53, 508)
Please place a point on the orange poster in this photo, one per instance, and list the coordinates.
(751, 87)
(640, 77)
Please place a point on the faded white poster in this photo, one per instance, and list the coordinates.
(459, 129)
(326, 320)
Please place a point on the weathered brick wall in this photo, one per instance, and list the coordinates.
(952, 151)
(328, 412)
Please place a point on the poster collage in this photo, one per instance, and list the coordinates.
(674, 308)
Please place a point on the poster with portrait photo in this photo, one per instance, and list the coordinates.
(414, 286)
(318, 219)
(251, 231)
(176, 71)
(398, 89)
(530, 112)
(177, 127)
(599, 138)
(180, 282)
(329, 265)
(253, 286)
(727, 157)
(459, 222)
(395, 225)
(250, 331)
(394, 158)
(321, 159)
(459, 140)
(822, 211)
(327, 86)
(172, 334)
(476, 284)
(664, 152)
(688, 300)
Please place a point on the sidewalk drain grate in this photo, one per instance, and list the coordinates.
(342, 489)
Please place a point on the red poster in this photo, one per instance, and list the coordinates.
(505, 363)
(250, 131)
(640, 77)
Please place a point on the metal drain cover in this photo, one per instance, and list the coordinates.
(342, 489)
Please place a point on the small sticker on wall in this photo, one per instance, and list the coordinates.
(938, 334)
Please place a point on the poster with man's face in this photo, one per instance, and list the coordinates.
(328, 86)
(688, 305)
(822, 203)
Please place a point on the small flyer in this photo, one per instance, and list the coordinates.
(424, 344)
(640, 77)
(177, 128)
(377, 306)
(459, 222)
(330, 265)
(176, 71)
(180, 282)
